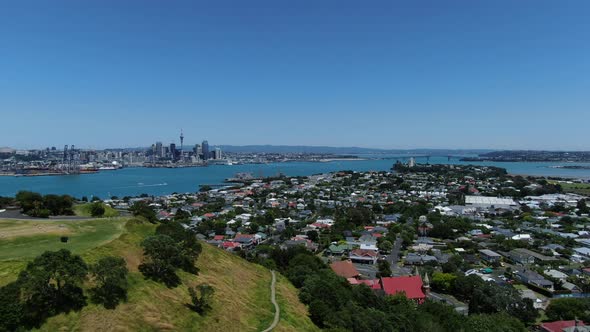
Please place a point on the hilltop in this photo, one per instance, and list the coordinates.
(242, 289)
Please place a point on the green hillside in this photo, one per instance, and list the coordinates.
(242, 290)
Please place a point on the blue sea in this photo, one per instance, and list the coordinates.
(161, 181)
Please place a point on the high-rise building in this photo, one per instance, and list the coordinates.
(217, 153)
(206, 152)
(198, 151)
(173, 151)
(159, 150)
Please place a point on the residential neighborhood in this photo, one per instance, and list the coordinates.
(418, 231)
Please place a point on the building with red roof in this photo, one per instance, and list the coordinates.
(411, 286)
(345, 269)
(228, 245)
(373, 283)
(245, 240)
(364, 256)
(565, 326)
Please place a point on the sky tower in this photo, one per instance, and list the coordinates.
(181, 140)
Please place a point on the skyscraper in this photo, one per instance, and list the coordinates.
(159, 150)
(173, 151)
(198, 151)
(206, 152)
(217, 153)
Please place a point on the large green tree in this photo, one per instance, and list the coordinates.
(568, 309)
(163, 254)
(190, 247)
(97, 209)
(493, 323)
(384, 268)
(142, 209)
(51, 284)
(110, 277)
(11, 308)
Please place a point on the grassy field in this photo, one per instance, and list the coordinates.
(83, 210)
(21, 240)
(241, 300)
(576, 188)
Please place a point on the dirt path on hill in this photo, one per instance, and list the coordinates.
(273, 299)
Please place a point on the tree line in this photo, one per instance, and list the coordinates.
(335, 305)
(37, 205)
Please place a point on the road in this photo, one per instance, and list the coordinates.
(393, 257)
(273, 299)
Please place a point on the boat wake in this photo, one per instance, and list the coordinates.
(142, 185)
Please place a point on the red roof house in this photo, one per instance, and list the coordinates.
(373, 283)
(344, 269)
(363, 256)
(560, 326)
(411, 286)
(228, 245)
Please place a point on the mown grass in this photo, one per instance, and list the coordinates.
(45, 235)
(574, 188)
(241, 301)
(83, 210)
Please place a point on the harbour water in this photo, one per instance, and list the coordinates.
(161, 181)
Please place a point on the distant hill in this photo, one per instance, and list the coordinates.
(343, 150)
(241, 300)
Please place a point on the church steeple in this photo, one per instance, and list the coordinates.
(426, 283)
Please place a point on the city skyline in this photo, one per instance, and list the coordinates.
(336, 73)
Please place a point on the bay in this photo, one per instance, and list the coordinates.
(161, 181)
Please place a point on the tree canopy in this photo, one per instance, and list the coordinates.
(110, 277)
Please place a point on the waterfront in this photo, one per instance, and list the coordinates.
(161, 181)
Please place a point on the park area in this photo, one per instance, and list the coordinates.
(576, 188)
(24, 239)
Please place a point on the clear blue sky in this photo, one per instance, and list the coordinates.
(391, 74)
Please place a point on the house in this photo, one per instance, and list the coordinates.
(490, 256)
(556, 274)
(459, 306)
(565, 326)
(583, 251)
(228, 245)
(539, 302)
(246, 240)
(525, 256)
(418, 259)
(300, 241)
(373, 283)
(551, 249)
(363, 256)
(337, 249)
(411, 286)
(345, 269)
(533, 278)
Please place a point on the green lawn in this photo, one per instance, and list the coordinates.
(83, 210)
(576, 188)
(21, 240)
